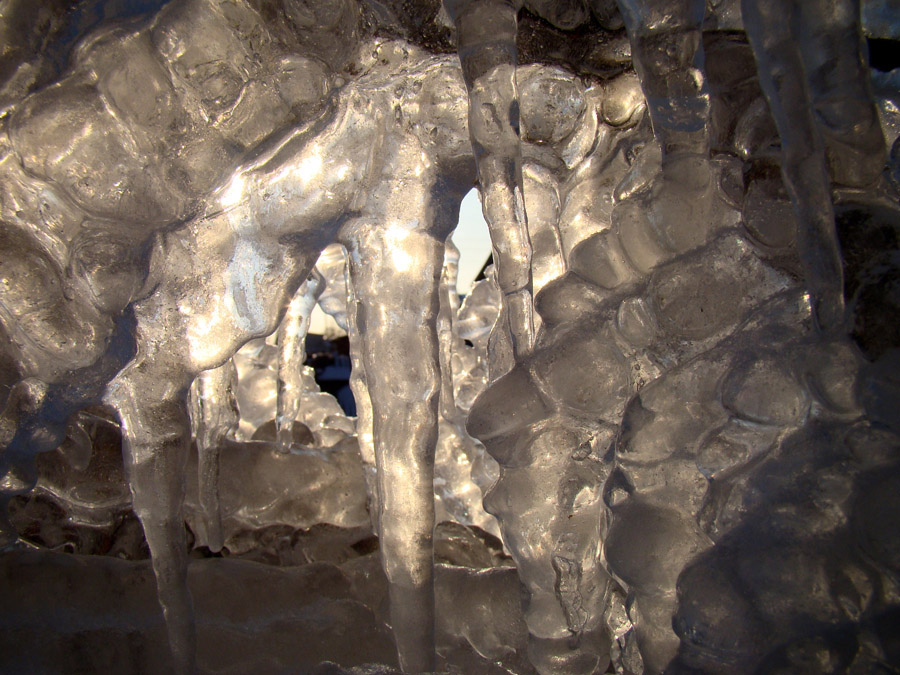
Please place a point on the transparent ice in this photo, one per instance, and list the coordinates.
(675, 390)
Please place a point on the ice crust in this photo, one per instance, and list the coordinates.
(660, 435)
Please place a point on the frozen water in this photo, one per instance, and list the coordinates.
(676, 389)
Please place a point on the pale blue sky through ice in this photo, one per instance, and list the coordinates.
(471, 238)
(473, 241)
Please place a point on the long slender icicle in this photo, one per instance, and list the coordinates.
(364, 421)
(291, 355)
(486, 35)
(448, 308)
(215, 417)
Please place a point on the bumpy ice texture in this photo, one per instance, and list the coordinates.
(697, 464)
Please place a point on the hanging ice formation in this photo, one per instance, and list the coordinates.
(682, 365)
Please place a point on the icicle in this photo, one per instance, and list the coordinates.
(787, 40)
(364, 421)
(486, 35)
(155, 444)
(214, 418)
(291, 355)
(446, 337)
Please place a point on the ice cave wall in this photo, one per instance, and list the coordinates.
(686, 442)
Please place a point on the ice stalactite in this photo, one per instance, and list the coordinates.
(814, 75)
(214, 419)
(291, 356)
(451, 456)
(397, 252)
(364, 417)
(404, 428)
(667, 53)
(449, 308)
(156, 443)
(486, 43)
(396, 255)
(459, 458)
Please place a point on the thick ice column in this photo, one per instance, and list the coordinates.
(486, 34)
(832, 46)
(214, 418)
(291, 355)
(156, 440)
(667, 50)
(806, 71)
(401, 360)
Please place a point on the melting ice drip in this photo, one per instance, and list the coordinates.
(693, 455)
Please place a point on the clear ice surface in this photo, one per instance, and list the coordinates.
(675, 389)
